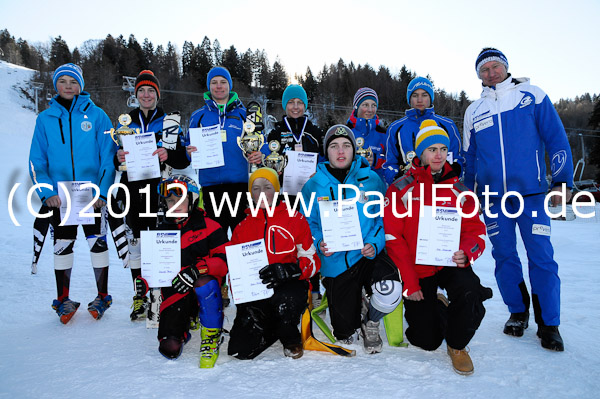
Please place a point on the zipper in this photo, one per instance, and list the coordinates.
(501, 144)
(71, 140)
(266, 226)
(62, 135)
(537, 162)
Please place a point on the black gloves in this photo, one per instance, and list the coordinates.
(141, 286)
(276, 274)
(185, 279)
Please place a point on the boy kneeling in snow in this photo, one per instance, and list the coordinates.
(203, 267)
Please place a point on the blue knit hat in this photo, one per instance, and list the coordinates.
(294, 91)
(362, 94)
(219, 71)
(71, 70)
(429, 134)
(490, 54)
(419, 83)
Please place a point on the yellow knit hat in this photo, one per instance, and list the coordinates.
(429, 134)
(265, 173)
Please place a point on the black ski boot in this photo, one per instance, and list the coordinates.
(516, 324)
(551, 338)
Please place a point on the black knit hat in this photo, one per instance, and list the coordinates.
(147, 78)
(337, 131)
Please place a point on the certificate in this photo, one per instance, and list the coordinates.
(244, 262)
(141, 164)
(439, 236)
(300, 167)
(161, 256)
(75, 197)
(341, 232)
(209, 144)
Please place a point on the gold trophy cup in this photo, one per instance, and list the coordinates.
(124, 121)
(275, 160)
(409, 158)
(249, 142)
(364, 152)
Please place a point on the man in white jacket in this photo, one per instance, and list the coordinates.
(506, 135)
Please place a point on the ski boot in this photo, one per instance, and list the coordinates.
(140, 308)
(98, 306)
(209, 348)
(65, 309)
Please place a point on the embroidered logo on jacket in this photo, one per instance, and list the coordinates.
(526, 101)
(86, 126)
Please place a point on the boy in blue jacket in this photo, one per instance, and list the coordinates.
(346, 274)
(70, 144)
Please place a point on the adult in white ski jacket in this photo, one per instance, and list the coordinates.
(506, 135)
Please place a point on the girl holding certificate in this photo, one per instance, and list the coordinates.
(430, 320)
(69, 145)
(149, 117)
(292, 262)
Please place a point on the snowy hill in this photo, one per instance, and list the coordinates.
(114, 357)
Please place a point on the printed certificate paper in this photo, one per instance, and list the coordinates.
(141, 164)
(78, 198)
(209, 146)
(244, 262)
(301, 166)
(161, 256)
(340, 233)
(439, 236)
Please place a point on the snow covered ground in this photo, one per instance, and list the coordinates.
(113, 357)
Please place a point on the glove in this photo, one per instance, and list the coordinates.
(185, 279)
(276, 274)
(141, 286)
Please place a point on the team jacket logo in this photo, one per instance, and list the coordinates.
(526, 101)
(559, 161)
(86, 126)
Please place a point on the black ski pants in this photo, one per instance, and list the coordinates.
(430, 322)
(259, 324)
(344, 292)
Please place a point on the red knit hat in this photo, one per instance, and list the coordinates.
(147, 78)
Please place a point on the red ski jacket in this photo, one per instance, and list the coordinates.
(401, 232)
(287, 238)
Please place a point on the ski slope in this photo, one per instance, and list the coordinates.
(115, 358)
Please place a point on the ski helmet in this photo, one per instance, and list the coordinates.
(172, 186)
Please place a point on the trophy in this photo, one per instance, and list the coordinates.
(409, 158)
(250, 141)
(364, 152)
(124, 120)
(275, 160)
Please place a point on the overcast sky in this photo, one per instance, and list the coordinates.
(552, 42)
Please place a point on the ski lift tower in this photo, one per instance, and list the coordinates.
(129, 85)
(37, 87)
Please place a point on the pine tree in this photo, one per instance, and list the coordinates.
(59, 53)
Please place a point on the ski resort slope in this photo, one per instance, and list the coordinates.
(115, 358)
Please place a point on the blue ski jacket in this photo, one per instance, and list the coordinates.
(401, 135)
(506, 134)
(375, 138)
(72, 145)
(231, 119)
(325, 187)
